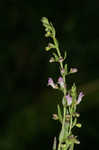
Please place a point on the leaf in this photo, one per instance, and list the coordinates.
(53, 29)
(65, 55)
(59, 113)
(64, 132)
(72, 139)
(73, 93)
(65, 68)
(56, 57)
(64, 101)
(44, 20)
(75, 121)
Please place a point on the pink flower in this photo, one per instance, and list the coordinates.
(51, 83)
(61, 82)
(52, 60)
(62, 71)
(69, 100)
(80, 97)
(73, 70)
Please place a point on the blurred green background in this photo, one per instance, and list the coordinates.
(26, 103)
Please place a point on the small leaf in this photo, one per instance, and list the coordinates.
(44, 20)
(48, 34)
(46, 24)
(64, 101)
(72, 139)
(56, 57)
(59, 113)
(64, 132)
(74, 93)
(47, 48)
(65, 55)
(65, 68)
(75, 121)
(53, 29)
(57, 44)
(51, 45)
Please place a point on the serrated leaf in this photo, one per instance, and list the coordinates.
(59, 113)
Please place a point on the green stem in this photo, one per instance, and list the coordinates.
(70, 125)
(59, 148)
(64, 108)
(72, 147)
(61, 64)
(58, 51)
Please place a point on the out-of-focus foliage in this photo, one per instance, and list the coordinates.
(26, 105)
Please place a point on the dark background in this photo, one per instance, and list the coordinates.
(26, 103)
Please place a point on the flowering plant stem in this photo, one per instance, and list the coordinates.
(67, 116)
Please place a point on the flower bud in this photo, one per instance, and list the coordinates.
(76, 114)
(61, 59)
(73, 70)
(78, 125)
(48, 34)
(55, 117)
(67, 117)
(52, 60)
(44, 20)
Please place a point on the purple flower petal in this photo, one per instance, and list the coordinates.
(69, 100)
(61, 81)
(62, 71)
(80, 97)
(51, 83)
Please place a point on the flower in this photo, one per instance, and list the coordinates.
(52, 84)
(55, 117)
(62, 71)
(52, 60)
(69, 100)
(61, 82)
(80, 97)
(61, 59)
(73, 70)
